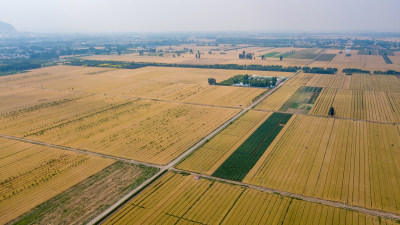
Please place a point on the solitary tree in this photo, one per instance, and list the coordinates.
(280, 57)
(212, 81)
(246, 79)
(331, 111)
(262, 57)
(274, 80)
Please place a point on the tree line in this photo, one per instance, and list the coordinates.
(246, 80)
(132, 65)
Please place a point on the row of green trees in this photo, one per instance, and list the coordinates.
(246, 80)
(134, 65)
(350, 71)
(319, 70)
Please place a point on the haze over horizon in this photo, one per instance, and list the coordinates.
(90, 16)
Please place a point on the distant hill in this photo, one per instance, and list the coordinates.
(7, 28)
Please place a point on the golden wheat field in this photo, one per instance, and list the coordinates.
(359, 104)
(334, 159)
(275, 101)
(179, 199)
(172, 84)
(144, 130)
(31, 174)
(356, 81)
(365, 62)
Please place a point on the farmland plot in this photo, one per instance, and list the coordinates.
(357, 104)
(302, 100)
(384, 83)
(162, 83)
(334, 159)
(17, 98)
(275, 101)
(31, 174)
(191, 93)
(178, 199)
(300, 79)
(85, 200)
(143, 130)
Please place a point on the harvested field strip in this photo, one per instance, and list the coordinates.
(179, 199)
(84, 201)
(303, 99)
(337, 160)
(247, 154)
(275, 101)
(32, 174)
(219, 148)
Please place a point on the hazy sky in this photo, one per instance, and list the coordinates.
(201, 15)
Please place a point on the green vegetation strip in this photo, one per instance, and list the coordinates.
(326, 57)
(247, 80)
(284, 55)
(271, 54)
(246, 155)
(135, 65)
(304, 98)
(387, 59)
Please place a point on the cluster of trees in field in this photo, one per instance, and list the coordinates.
(19, 65)
(349, 71)
(246, 56)
(130, 65)
(246, 80)
(387, 72)
(319, 70)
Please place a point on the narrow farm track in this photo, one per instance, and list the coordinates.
(342, 205)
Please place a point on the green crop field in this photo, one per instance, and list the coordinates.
(246, 156)
(387, 59)
(303, 99)
(325, 57)
(270, 54)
